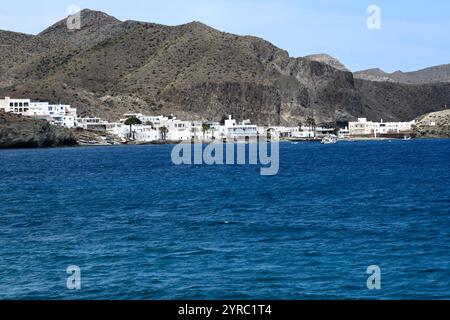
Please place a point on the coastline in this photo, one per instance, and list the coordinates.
(20, 132)
(172, 143)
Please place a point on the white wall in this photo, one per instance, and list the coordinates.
(62, 115)
(363, 127)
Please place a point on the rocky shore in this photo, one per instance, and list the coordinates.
(22, 132)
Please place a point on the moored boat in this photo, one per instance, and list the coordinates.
(331, 139)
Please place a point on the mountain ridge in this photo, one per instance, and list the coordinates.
(435, 74)
(110, 67)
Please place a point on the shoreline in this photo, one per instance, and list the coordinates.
(162, 143)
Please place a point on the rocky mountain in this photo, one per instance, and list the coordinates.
(23, 132)
(109, 67)
(397, 101)
(429, 75)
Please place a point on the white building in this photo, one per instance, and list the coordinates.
(231, 130)
(364, 127)
(197, 131)
(282, 132)
(150, 130)
(63, 115)
(145, 133)
(17, 106)
(308, 132)
(177, 130)
(155, 120)
(92, 123)
(118, 129)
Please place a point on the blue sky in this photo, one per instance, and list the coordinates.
(414, 34)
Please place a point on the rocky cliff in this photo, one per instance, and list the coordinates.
(23, 132)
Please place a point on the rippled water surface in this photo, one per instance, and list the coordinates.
(142, 228)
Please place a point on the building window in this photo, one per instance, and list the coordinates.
(26, 104)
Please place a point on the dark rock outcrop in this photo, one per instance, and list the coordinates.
(22, 132)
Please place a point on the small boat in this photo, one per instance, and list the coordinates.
(407, 138)
(329, 140)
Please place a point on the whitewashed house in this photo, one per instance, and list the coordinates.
(177, 130)
(155, 120)
(145, 133)
(364, 127)
(118, 129)
(91, 123)
(18, 106)
(63, 115)
(234, 131)
(304, 133)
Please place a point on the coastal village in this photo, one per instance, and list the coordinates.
(140, 128)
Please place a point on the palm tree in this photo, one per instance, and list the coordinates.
(205, 128)
(300, 125)
(164, 132)
(132, 121)
(312, 124)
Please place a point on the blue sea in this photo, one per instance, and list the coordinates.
(140, 227)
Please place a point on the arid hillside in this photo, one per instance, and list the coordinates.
(109, 67)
